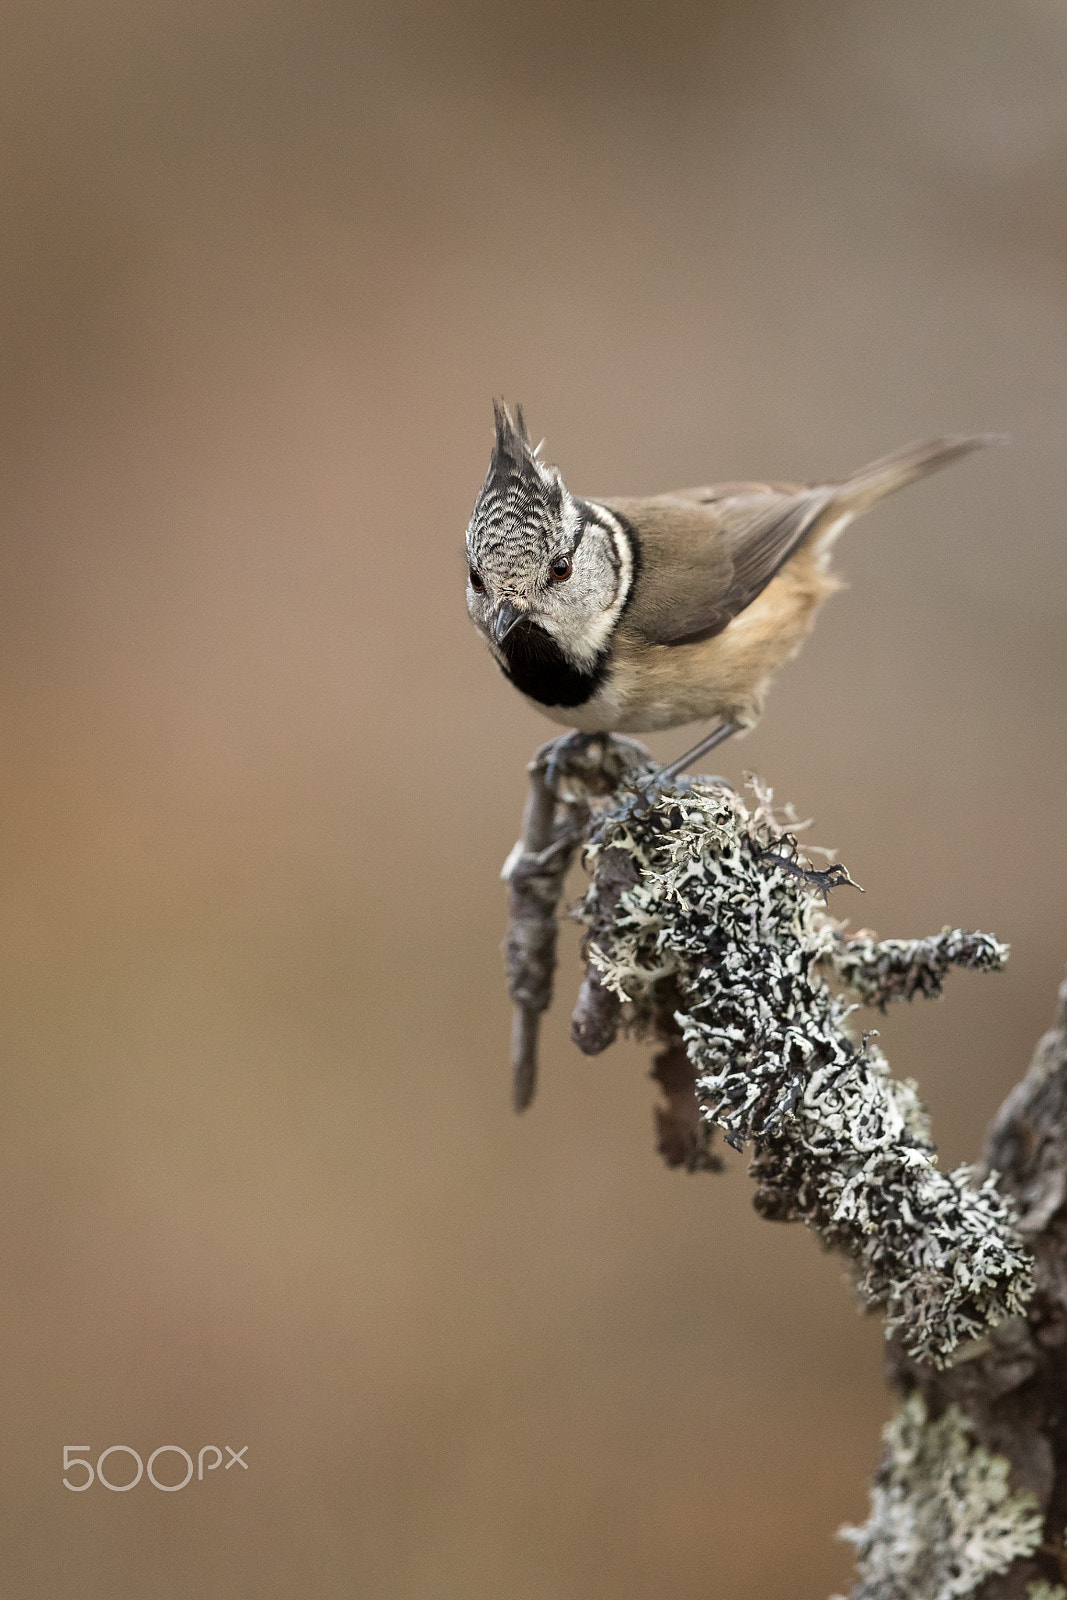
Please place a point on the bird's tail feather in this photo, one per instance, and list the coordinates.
(914, 461)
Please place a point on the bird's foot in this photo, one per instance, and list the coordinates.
(563, 755)
(593, 763)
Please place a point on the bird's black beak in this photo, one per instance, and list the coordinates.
(504, 619)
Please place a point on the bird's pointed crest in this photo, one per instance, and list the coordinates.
(521, 497)
(514, 456)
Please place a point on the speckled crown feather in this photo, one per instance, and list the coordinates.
(521, 499)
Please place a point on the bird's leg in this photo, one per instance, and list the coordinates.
(716, 737)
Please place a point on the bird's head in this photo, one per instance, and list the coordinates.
(546, 570)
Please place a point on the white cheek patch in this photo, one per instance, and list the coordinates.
(586, 622)
(598, 628)
(581, 613)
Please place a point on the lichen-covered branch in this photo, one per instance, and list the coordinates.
(879, 970)
(1006, 1393)
(707, 932)
(700, 901)
(943, 1514)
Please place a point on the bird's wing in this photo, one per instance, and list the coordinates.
(707, 494)
(706, 554)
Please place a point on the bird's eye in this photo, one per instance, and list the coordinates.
(561, 569)
(476, 581)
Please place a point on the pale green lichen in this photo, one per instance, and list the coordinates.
(1045, 1591)
(943, 1517)
(727, 926)
(881, 970)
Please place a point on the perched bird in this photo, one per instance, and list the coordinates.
(627, 615)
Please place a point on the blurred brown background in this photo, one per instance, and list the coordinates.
(263, 267)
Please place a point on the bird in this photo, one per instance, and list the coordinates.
(630, 615)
